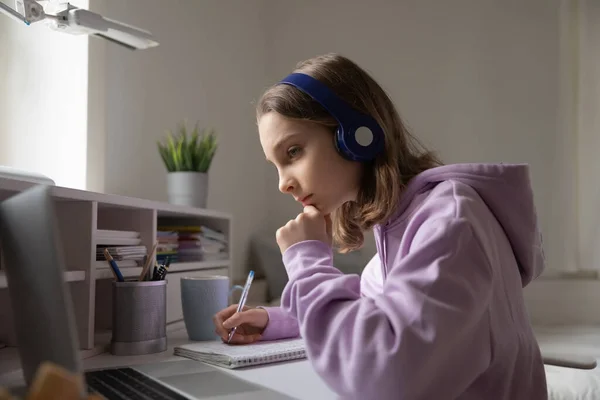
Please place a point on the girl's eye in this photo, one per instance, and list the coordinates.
(293, 151)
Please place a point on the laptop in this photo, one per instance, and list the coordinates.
(45, 323)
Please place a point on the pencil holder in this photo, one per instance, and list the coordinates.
(139, 317)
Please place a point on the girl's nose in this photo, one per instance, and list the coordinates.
(286, 184)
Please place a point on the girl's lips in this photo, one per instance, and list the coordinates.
(305, 201)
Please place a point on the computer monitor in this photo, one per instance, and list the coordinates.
(40, 297)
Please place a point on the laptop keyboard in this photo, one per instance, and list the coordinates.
(127, 383)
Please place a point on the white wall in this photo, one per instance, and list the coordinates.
(209, 67)
(43, 101)
(589, 135)
(478, 81)
(475, 80)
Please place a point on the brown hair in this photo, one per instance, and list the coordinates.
(384, 178)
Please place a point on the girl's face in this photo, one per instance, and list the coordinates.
(309, 166)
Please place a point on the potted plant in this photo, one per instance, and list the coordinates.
(187, 158)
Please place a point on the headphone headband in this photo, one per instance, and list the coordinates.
(359, 137)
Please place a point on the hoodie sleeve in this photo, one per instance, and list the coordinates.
(281, 325)
(429, 325)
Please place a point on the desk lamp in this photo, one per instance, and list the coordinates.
(62, 16)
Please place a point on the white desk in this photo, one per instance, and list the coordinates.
(297, 379)
(569, 383)
(294, 378)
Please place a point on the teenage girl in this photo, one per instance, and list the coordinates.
(438, 313)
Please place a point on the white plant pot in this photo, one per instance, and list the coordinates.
(188, 188)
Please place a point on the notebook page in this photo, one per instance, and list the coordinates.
(247, 351)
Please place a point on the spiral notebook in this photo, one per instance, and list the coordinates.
(236, 356)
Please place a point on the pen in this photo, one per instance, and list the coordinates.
(166, 268)
(113, 265)
(154, 276)
(146, 266)
(163, 273)
(243, 298)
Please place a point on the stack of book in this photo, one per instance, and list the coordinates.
(213, 244)
(124, 246)
(168, 242)
(191, 243)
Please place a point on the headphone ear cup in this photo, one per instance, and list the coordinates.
(338, 141)
(363, 136)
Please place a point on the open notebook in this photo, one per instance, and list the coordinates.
(235, 356)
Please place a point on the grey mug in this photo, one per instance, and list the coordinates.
(201, 298)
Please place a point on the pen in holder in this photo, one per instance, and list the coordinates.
(113, 265)
(139, 317)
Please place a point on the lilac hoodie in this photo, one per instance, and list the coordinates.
(439, 311)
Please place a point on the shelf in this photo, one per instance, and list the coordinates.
(86, 220)
(71, 276)
(102, 271)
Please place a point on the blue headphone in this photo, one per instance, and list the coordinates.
(358, 137)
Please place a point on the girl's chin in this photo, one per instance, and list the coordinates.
(323, 209)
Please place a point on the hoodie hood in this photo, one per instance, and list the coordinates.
(507, 191)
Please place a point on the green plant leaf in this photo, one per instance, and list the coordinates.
(188, 151)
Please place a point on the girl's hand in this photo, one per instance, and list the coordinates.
(250, 322)
(308, 225)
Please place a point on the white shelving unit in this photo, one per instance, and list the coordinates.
(80, 215)
(70, 276)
